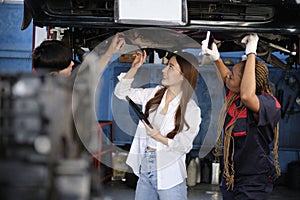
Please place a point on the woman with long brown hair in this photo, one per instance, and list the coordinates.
(157, 154)
(249, 119)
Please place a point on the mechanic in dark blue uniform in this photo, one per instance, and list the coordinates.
(249, 118)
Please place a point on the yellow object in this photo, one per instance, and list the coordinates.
(126, 58)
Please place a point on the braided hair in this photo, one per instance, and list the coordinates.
(262, 86)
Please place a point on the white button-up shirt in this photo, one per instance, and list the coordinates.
(171, 168)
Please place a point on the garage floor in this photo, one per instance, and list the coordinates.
(115, 190)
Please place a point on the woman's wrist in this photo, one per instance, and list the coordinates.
(251, 54)
(218, 60)
(131, 73)
(156, 135)
(160, 138)
(133, 69)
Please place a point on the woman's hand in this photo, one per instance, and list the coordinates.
(151, 131)
(155, 133)
(140, 57)
(251, 42)
(213, 53)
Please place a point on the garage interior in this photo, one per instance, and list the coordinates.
(97, 169)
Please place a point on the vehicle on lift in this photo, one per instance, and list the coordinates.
(86, 23)
(91, 22)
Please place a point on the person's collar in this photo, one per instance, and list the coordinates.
(174, 101)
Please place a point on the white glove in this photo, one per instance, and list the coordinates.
(251, 43)
(212, 53)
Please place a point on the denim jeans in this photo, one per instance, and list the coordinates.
(147, 184)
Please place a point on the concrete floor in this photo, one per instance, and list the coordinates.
(116, 190)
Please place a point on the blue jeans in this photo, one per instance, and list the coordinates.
(147, 184)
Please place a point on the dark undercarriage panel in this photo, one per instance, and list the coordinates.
(91, 22)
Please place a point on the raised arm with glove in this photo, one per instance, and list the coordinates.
(213, 53)
(248, 82)
(214, 56)
(251, 42)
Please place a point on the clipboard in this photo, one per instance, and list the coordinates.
(138, 111)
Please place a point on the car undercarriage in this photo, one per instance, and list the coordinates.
(87, 23)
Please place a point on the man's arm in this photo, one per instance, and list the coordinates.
(115, 46)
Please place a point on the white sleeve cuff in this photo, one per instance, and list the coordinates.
(170, 142)
(121, 76)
